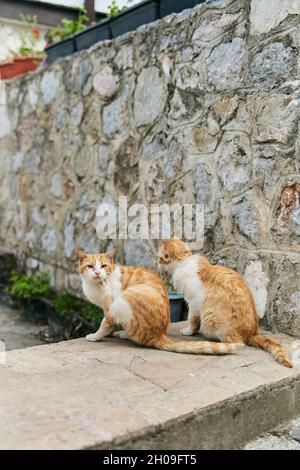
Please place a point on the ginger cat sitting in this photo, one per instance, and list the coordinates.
(137, 299)
(220, 302)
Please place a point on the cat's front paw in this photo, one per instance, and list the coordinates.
(121, 334)
(188, 331)
(92, 337)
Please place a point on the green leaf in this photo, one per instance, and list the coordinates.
(29, 287)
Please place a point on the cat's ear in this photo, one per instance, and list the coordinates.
(175, 238)
(80, 255)
(111, 254)
(163, 242)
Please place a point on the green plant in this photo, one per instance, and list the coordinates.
(66, 303)
(68, 27)
(72, 27)
(29, 287)
(92, 313)
(114, 9)
(33, 41)
(25, 287)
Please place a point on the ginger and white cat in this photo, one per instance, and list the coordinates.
(220, 302)
(137, 299)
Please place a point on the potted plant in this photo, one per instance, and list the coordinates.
(98, 32)
(18, 66)
(73, 36)
(21, 52)
(131, 18)
(61, 40)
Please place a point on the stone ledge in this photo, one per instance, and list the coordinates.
(114, 395)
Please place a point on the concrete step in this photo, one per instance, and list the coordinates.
(286, 436)
(114, 395)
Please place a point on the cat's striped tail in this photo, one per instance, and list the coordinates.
(196, 347)
(272, 347)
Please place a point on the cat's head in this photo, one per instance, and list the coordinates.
(95, 268)
(171, 252)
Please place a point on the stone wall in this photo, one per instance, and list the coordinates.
(201, 106)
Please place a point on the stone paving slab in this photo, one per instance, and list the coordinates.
(115, 395)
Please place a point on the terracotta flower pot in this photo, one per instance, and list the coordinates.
(19, 66)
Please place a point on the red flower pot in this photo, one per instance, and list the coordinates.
(18, 66)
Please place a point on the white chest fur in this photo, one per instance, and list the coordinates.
(115, 283)
(187, 281)
(96, 293)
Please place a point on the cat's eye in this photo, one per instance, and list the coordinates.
(90, 266)
(166, 256)
(104, 266)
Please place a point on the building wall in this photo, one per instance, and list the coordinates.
(198, 107)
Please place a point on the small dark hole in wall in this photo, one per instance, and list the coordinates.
(235, 413)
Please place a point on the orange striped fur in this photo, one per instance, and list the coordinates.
(137, 299)
(221, 304)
